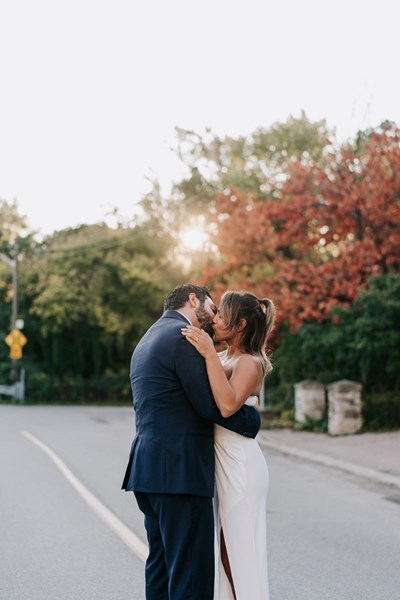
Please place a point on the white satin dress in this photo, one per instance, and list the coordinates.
(241, 491)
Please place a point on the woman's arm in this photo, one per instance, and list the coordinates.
(246, 375)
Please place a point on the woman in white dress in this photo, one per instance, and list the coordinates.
(236, 375)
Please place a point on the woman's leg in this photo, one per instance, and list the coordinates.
(225, 562)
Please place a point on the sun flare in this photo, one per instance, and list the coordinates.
(193, 238)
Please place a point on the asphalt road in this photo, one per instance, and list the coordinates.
(331, 536)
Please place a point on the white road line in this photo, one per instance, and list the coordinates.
(123, 532)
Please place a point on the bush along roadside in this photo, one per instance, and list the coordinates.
(360, 343)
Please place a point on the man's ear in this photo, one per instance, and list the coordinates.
(193, 300)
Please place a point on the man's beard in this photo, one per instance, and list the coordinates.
(205, 320)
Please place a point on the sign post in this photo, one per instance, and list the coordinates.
(12, 262)
(15, 339)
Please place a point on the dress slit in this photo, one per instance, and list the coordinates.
(225, 562)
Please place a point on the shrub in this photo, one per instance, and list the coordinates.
(360, 343)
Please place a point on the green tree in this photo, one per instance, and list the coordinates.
(93, 291)
(246, 163)
(16, 240)
(13, 226)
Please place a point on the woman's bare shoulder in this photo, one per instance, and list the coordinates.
(248, 362)
(248, 359)
(248, 370)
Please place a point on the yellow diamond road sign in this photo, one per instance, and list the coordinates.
(16, 340)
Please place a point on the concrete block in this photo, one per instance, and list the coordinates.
(344, 407)
(309, 397)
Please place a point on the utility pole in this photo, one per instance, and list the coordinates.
(14, 312)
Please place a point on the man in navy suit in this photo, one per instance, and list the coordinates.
(171, 463)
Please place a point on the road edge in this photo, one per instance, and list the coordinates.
(336, 463)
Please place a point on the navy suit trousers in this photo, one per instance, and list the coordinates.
(180, 533)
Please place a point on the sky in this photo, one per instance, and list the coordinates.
(91, 90)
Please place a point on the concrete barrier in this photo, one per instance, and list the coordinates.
(309, 398)
(17, 390)
(344, 407)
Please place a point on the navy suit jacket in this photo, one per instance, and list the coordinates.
(173, 450)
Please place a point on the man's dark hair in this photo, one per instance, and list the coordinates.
(178, 297)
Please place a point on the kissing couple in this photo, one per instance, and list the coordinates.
(197, 417)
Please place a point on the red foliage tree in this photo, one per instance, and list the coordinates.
(324, 231)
